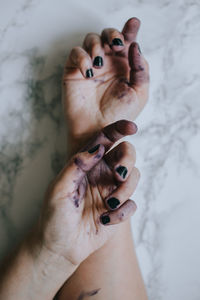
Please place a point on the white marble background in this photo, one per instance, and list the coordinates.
(35, 37)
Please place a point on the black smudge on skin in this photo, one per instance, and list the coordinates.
(79, 163)
(76, 201)
(83, 295)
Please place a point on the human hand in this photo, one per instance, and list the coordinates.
(89, 193)
(117, 90)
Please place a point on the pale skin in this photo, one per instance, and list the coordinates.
(99, 254)
(118, 89)
(71, 225)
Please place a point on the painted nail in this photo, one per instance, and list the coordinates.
(122, 171)
(89, 73)
(98, 61)
(94, 149)
(113, 202)
(117, 42)
(105, 219)
(139, 49)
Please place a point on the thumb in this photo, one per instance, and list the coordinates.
(139, 71)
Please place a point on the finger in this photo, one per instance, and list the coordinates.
(121, 214)
(80, 59)
(112, 133)
(121, 160)
(113, 38)
(92, 44)
(131, 29)
(124, 191)
(79, 165)
(139, 71)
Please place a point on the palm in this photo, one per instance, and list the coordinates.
(92, 104)
(90, 235)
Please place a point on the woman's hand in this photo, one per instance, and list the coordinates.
(104, 81)
(92, 191)
(88, 197)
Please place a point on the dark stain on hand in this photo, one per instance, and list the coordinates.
(84, 295)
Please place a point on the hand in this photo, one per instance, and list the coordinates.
(92, 191)
(104, 81)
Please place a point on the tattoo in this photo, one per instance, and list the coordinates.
(83, 295)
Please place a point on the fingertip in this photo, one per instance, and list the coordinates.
(126, 127)
(117, 44)
(133, 22)
(104, 219)
(88, 73)
(133, 205)
(131, 28)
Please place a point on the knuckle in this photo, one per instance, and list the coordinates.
(115, 33)
(96, 48)
(89, 36)
(137, 173)
(131, 150)
(83, 61)
(75, 50)
(121, 216)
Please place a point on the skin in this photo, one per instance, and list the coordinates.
(55, 249)
(67, 233)
(88, 294)
(118, 89)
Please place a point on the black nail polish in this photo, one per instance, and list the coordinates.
(113, 202)
(98, 61)
(94, 149)
(139, 49)
(117, 42)
(89, 73)
(122, 171)
(105, 219)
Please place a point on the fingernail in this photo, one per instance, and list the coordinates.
(117, 42)
(98, 61)
(89, 73)
(105, 219)
(139, 49)
(122, 171)
(113, 202)
(94, 149)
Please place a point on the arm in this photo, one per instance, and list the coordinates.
(120, 85)
(33, 272)
(113, 270)
(71, 225)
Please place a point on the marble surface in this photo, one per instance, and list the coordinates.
(35, 37)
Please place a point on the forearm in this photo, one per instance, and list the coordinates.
(33, 272)
(113, 271)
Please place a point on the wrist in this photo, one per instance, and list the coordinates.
(49, 270)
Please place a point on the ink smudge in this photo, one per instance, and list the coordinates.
(83, 295)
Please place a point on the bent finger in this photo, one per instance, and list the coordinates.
(80, 59)
(93, 45)
(113, 38)
(121, 160)
(121, 214)
(123, 191)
